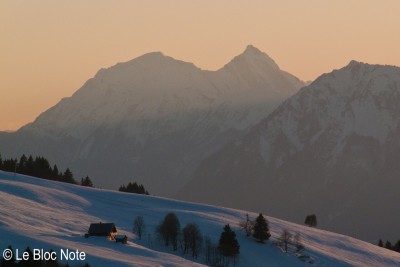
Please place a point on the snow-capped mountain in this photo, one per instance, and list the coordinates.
(332, 149)
(48, 215)
(154, 118)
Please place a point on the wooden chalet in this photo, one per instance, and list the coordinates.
(102, 229)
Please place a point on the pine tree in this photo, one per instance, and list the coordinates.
(22, 164)
(388, 245)
(311, 220)
(260, 229)
(228, 244)
(55, 174)
(86, 182)
(68, 177)
(380, 243)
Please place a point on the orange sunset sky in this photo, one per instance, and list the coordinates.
(48, 48)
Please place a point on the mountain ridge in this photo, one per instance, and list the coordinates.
(329, 149)
(153, 118)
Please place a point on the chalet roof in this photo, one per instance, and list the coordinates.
(102, 228)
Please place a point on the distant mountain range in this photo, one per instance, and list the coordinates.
(332, 149)
(154, 119)
(243, 136)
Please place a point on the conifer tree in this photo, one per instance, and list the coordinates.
(68, 177)
(260, 229)
(86, 182)
(228, 244)
(388, 245)
(380, 243)
(55, 174)
(311, 220)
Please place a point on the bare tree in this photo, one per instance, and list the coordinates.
(247, 225)
(192, 239)
(286, 236)
(169, 230)
(139, 226)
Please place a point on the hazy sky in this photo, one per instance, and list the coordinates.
(48, 48)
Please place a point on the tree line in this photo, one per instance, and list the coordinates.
(134, 188)
(190, 240)
(40, 167)
(388, 245)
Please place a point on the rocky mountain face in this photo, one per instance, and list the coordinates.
(332, 149)
(154, 118)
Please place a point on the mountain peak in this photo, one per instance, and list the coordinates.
(252, 49)
(355, 63)
(254, 57)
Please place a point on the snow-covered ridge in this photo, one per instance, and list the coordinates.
(331, 149)
(46, 214)
(154, 118)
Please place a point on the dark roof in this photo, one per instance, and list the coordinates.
(102, 228)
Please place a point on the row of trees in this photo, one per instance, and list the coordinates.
(30, 262)
(40, 167)
(134, 188)
(190, 240)
(388, 245)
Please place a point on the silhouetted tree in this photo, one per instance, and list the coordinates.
(133, 188)
(311, 220)
(396, 246)
(247, 225)
(192, 239)
(139, 226)
(68, 177)
(169, 230)
(86, 182)
(380, 243)
(388, 245)
(228, 245)
(260, 229)
(286, 236)
(55, 174)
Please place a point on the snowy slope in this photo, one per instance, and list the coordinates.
(331, 149)
(154, 118)
(46, 214)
